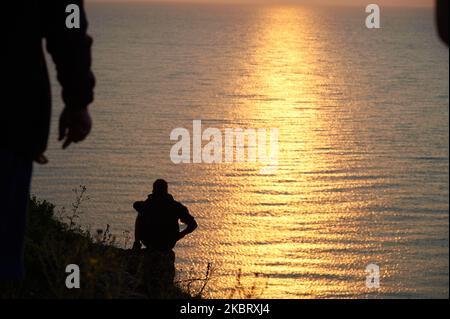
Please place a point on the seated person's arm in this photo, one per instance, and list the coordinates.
(190, 222)
(138, 232)
(138, 206)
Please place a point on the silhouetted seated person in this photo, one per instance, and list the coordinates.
(157, 228)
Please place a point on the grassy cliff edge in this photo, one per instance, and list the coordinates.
(106, 271)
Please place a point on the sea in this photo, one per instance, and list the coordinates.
(360, 189)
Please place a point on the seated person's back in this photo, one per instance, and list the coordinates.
(157, 224)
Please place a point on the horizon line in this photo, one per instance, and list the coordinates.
(326, 3)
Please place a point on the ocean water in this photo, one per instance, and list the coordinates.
(363, 169)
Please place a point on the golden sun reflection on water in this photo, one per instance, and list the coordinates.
(307, 230)
(284, 89)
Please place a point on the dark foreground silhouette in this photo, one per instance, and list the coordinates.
(26, 104)
(157, 228)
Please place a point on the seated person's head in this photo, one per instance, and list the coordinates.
(160, 187)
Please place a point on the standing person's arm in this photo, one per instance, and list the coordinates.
(71, 53)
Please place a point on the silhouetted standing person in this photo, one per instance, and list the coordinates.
(442, 19)
(26, 104)
(157, 227)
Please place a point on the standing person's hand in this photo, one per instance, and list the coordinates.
(74, 126)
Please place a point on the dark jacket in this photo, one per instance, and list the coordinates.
(25, 90)
(160, 216)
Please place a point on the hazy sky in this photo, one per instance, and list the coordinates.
(335, 2)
